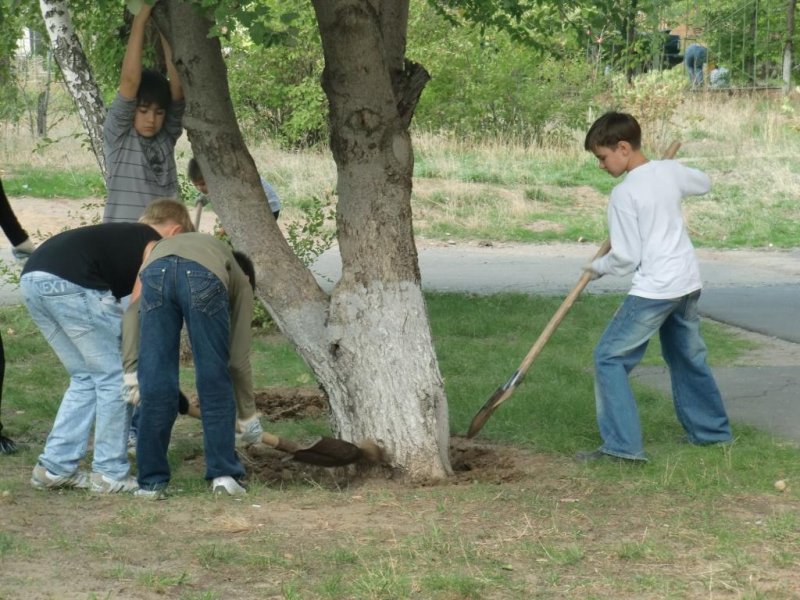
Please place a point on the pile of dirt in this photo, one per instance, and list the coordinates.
(472, 460)
(276, 403)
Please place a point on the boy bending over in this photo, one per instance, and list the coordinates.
(72, 285)
(194, 278)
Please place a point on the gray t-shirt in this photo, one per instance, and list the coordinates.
(140, 169)
(273, 199)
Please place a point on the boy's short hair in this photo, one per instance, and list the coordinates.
(611, 129)
(247, 266)
(193, 171)
(153, 89)
(167, 210)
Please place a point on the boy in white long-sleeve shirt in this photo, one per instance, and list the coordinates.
(649, 239)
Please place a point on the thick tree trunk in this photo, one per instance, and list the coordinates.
(77, 73)
(369, 344)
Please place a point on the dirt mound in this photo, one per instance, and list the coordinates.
(276, 403)
(471, 462)
(474, 460)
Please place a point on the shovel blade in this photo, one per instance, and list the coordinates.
(480, 418)
(328, 452)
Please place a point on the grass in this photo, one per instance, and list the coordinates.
(693, 522)
(46, 182)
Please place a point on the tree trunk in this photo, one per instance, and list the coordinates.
(629, 30)
(44, 101)
(788, 48)
(369, 344)
(77, 73)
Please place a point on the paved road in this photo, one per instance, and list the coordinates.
(756, 291)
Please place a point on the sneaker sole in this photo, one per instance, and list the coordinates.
(221, 490)
(36, 484)
(151, 498)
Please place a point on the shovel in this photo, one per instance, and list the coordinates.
(324, 452)
(198, 211)
(503, 393)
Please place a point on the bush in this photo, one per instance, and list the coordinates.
(483, 84)
(653, 98)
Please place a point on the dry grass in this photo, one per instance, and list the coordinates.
(501, 190)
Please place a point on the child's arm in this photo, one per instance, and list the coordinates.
(175, 87)
(241, 306)
(131, 74)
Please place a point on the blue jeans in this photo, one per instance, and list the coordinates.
(695, 57)
(83, 327)
(173, 290)
(695, 394)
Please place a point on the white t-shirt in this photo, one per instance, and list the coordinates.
(647, 231)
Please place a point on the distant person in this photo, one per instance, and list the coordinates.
(72, 285)
(21, 248)
(141, 129)
(695, 57)
(195, 175)
(719, 78)
(649, 239)
(198, 279)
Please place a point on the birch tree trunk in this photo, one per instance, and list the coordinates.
(369, 343)
(77, 73)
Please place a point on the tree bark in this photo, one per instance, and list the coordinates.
(788, 48)
(77, 73)
(369, 343)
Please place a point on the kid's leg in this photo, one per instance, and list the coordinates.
(59, 310)
(161, 321)
(7, 445)
(208, 323)
(620, 349)
(698, 402)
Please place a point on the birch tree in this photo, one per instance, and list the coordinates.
(77, 73)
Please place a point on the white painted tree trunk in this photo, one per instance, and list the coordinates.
(369, 343)
(77, 73)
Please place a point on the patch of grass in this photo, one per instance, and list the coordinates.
(160, 582)
(48, 182)
(8, 544)
(454, 585)
(213, 555)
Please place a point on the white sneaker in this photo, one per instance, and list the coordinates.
(105, 485)
(45, 480)
(159, 494)
(227, 485)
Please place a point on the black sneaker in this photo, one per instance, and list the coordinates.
(7, 445)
